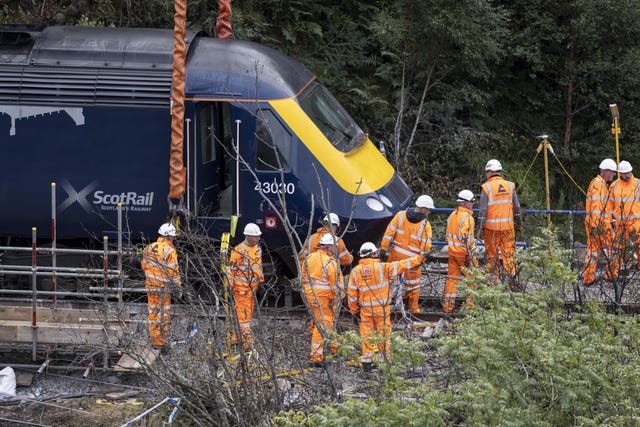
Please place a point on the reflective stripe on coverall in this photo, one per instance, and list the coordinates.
(369, 293)
(598, 226)
(623, 207)
(404, 239)
(323, 286)
(312, 244)
(245, 273)
(160, 266)
(460, 244)
(498, 202)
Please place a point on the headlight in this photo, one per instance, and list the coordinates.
(385, 200)
(374, 204)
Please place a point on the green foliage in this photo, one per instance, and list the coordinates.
(10, 14)
(546, 263)
(568, 62)
(85, 21)
(515, 359)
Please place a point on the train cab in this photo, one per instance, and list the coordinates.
(300, 153)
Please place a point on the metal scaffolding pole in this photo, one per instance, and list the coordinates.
(54, 281)
(34, 289)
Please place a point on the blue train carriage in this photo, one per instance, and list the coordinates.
(88, 108)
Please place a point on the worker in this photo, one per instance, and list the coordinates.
(160, 266)
(498, 220)
(407, 235)
(597, 223)
(329, 224)
(245, 274)
(623, 208)
(323, 286)
(460, 237)
(369, 296)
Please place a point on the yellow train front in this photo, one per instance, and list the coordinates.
(298, 147)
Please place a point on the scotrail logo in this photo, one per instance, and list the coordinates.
(105, 201)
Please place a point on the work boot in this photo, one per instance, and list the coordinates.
(316, 364)
(367, 367)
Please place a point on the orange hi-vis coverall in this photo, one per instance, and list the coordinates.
(311, 245)
(623, 207)
(160, 266)
(404, 239)
(598, 226)
(369, 293)
(460, 244)
(323, 285)
(245, 273)
(498, 204)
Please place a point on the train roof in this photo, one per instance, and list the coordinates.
(89, 47)
(233, 68)
(133, 66)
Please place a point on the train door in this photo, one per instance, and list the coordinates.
(212, 160)
(273, 163)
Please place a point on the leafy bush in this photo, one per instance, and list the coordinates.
(514, 359)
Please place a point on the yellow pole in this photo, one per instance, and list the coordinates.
(615, 129)
(545, 147)
(224, 264)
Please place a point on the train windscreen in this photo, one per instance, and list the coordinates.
(332, 120)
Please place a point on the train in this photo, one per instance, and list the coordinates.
(89, 110)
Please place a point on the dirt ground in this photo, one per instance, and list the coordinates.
(69, 400)
(86, 411)
(58, 398)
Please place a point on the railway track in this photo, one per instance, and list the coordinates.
(86, 317)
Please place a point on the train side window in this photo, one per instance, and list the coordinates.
(207, 133)
(273, 142)
(227, 148)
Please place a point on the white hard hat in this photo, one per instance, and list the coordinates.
(466, 196)
(332, 218)
(425, 201)
(493, 165)
(367, 249)
(167, 229)
(624, 167)
(608, 164)
(251, 230)
(327, 239)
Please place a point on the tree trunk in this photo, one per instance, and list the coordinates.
(568, 106)
(568, 115)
